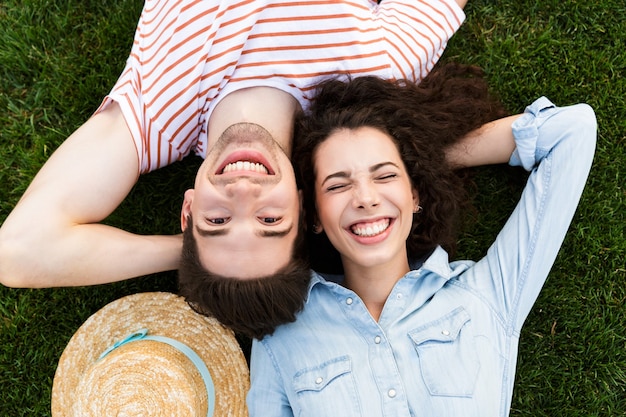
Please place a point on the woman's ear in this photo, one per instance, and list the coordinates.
(185, 212)
(416, 201)
(317, 227)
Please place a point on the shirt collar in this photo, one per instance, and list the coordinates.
(437, 263)
(317, 278)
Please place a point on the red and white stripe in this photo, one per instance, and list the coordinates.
(187, 54)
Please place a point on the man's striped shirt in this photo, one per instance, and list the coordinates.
(188, 54)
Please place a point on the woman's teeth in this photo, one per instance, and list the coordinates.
(245, 166)
(370, 229)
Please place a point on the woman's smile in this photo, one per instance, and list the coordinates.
(371, 228)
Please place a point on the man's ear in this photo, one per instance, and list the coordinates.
(186, 210)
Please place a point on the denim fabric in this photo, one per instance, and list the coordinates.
(446, 342)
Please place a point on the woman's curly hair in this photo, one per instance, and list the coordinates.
(423, 120)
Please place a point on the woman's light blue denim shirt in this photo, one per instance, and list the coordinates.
(446, 342)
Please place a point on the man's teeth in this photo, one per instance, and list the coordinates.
(370, 229)
(245, 166)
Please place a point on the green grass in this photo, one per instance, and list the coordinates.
(59, 58)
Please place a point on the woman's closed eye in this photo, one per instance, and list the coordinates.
(337, 187)
(388, 176)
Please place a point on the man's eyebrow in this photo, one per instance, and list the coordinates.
(260, 233)
(211, 233)
(275, 233)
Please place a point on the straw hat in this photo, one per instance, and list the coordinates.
(149, 354)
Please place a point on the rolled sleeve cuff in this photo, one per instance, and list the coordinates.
(526, 133)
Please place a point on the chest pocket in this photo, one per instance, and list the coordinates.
(327, 390)
(447, 354)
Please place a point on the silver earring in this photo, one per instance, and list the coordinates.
(317, 229)
(417, 209)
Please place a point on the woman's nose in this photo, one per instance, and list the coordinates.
(365, 196)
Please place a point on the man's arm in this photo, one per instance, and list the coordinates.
(492, 143)
(53, 238)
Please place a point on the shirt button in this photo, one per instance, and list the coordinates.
(377, 339)
(349, 301)
(399, 296)
(391, 393)
(319, 380)
(445, 332)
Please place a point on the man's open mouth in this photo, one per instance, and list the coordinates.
(240, 166)
(245, 161)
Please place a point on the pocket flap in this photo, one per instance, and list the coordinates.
(316, 379)
(444, 329)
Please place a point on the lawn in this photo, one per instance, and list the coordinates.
(58, 58)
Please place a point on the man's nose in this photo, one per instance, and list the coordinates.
(242, 188)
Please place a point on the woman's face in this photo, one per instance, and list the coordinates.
(365, 200)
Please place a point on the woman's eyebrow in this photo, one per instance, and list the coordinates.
(339, 174)
(373, 168)
(378, 166)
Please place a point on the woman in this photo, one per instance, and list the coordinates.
(433, 338)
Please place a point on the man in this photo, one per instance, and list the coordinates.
(209, 77)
